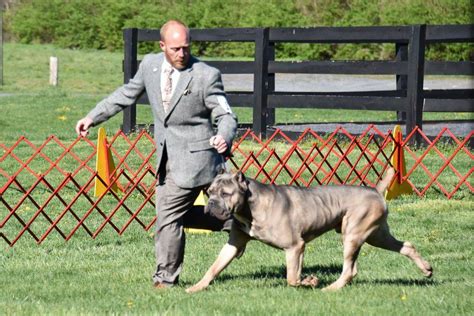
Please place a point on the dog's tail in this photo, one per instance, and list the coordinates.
(385, 182)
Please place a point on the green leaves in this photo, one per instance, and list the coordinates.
(98, 23)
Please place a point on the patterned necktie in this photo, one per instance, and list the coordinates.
(167, 89)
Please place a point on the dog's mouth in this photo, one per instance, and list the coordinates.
(221, 213)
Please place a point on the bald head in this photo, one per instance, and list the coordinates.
(172, 27)
(175, 43)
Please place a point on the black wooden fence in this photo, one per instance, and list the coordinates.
(409, 99)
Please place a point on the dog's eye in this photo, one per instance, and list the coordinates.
(225, 194)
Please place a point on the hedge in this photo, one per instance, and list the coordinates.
(98, 24)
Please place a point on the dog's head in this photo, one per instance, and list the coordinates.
(227, 194)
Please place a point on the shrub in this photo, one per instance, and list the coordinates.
(98, 24)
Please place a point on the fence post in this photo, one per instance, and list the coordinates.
(260, 82)
(53, 71)
(416, 67)
(401, 55)
(271, 118)
(1, 45)
(130, 66)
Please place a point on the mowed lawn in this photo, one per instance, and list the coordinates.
(112, 274)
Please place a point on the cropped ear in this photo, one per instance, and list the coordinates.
(241, 180)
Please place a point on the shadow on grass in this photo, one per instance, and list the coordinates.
(279, 273)
(326, 274)
(274, 272)
(402, 282)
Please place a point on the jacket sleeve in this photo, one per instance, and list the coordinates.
(216, 101)
(121, 98)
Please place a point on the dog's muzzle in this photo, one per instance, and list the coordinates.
(217, 209)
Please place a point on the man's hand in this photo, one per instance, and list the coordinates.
(219, 143)
(83, 125)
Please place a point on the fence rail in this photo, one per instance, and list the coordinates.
(409, 68)
(47, 188)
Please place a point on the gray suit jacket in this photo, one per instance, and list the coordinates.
(186, 129)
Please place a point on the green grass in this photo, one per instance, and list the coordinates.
(112, 274)
(37, 110)
(26, 69)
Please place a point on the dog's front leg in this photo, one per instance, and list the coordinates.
(294, 264)
(235, 247)
(227, 254)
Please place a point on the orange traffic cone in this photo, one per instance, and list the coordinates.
(398, 187)
(104, 166)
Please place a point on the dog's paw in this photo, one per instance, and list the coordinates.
(428, 271)
(334, 286)
(311, 281)
(194, 289)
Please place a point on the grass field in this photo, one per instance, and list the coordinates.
(111, 274)
(88, 76)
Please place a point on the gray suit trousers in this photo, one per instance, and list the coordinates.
(172, 203)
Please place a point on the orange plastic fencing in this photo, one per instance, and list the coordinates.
(48, 188)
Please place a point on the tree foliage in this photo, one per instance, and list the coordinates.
(98, 24)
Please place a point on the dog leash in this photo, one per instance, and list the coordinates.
(223, 167)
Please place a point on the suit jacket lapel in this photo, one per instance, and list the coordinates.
(156, 84)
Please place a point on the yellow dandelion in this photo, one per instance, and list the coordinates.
(404, 296)
(62, 117)
(25, 209)
(130, 304)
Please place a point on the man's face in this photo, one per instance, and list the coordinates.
(175, 45)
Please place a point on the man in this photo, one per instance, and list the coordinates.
(185, 95)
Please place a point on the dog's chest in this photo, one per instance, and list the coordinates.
(279, 238)
(247, 226)
(269, 235)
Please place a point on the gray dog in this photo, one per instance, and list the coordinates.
(287, 217)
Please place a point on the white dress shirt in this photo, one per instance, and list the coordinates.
(174, 77)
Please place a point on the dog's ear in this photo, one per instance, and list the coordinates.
(241, 180)
(239, 176)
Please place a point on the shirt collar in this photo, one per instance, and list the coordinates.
(167, 65)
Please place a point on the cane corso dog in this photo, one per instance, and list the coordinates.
(287, 217)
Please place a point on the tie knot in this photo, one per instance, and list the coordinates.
(168, 70)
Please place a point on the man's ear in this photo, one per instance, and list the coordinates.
(241, 180)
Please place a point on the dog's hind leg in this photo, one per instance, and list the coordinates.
(354, 264)
(351, 252)
(294, 263)
(383, 239)
(355, 229)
